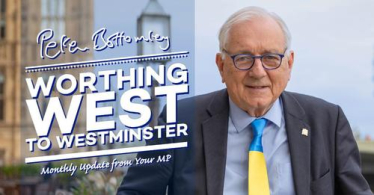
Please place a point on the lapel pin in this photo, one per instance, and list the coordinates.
(304, 132)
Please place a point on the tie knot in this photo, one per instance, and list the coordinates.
(258, 126)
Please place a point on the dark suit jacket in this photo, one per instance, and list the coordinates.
(324, 162)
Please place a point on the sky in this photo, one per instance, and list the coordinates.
(333, 43)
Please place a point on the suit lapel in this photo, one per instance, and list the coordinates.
(299, 144)
(215, 131)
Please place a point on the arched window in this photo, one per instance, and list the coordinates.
(53, 17)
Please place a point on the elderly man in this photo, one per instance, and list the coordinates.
(253, 137)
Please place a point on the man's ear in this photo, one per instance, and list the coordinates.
(291, 57)
(290, 60)
(220, 64)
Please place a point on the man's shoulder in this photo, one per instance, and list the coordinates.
(204, 105)
(310, 104)
(203, 99)
(218, 100)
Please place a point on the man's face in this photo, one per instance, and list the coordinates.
(255, 90)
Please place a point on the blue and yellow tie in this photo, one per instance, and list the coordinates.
(258, 183)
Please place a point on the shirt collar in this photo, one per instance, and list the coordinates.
(241, 119)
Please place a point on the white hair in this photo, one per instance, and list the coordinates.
(247, 14)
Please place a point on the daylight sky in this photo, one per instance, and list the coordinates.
(333, 43)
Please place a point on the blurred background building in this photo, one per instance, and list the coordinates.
(153, 18)
(20, 23)
(10, 77)
(367, 160)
